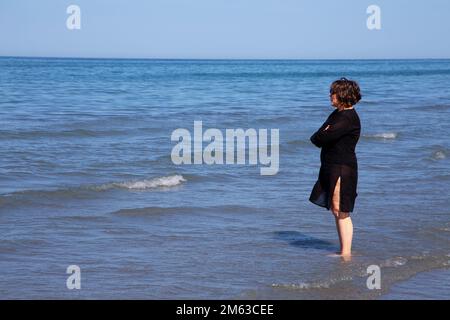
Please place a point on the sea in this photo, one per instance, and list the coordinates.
(87, 180)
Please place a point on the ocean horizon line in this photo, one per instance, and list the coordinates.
(220, 59)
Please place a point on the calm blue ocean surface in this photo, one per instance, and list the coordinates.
(86, 179)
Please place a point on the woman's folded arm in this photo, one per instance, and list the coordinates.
(330, 132)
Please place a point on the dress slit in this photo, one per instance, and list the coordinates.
(333, 200)
(323, 191)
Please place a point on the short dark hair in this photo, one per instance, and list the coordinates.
(347, 91)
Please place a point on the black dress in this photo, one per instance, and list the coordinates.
(338, 159)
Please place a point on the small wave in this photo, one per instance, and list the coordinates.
(75, 133)
(326, 284)
(397, 269)
(23, 243)
(154, 211)
(223, 209)
(80, 218)
(382, 136)
(162, 182)
(28, 197)
(436, 107)
(395, 262)
(439, 155)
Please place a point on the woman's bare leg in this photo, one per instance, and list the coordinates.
(346, 234)
(344, 223)
(338, 232)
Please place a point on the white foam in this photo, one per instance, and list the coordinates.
(312, 285)
(169, 181)
(161, 182)
(439, 155)
(386, 135)
(395, 262)
(303, 286)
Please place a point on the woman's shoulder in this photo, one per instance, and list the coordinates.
(353, 113)
(349, 113)
(336, 114)
(353, 117)
(349, 116)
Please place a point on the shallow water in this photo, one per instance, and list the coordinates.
(434, 285)
(86, 178)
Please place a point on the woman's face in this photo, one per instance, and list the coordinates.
(334, 100)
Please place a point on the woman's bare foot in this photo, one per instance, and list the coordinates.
(346, 256)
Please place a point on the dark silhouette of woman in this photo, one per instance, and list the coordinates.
(335, 189)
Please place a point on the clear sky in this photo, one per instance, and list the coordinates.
(303, 29)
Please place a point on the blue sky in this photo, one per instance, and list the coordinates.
(292, 29)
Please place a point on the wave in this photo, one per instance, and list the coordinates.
(381, 136)
(394, 262)
(394, 270)
(162, 182)
(26, 197)
(315, 74)
(100, 219)
(325, 284)
(223, 209)
(76, 133)
(439, 155)
(153, 211)
(19, 245)
(434, 107)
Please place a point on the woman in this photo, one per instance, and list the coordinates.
(338, 177)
